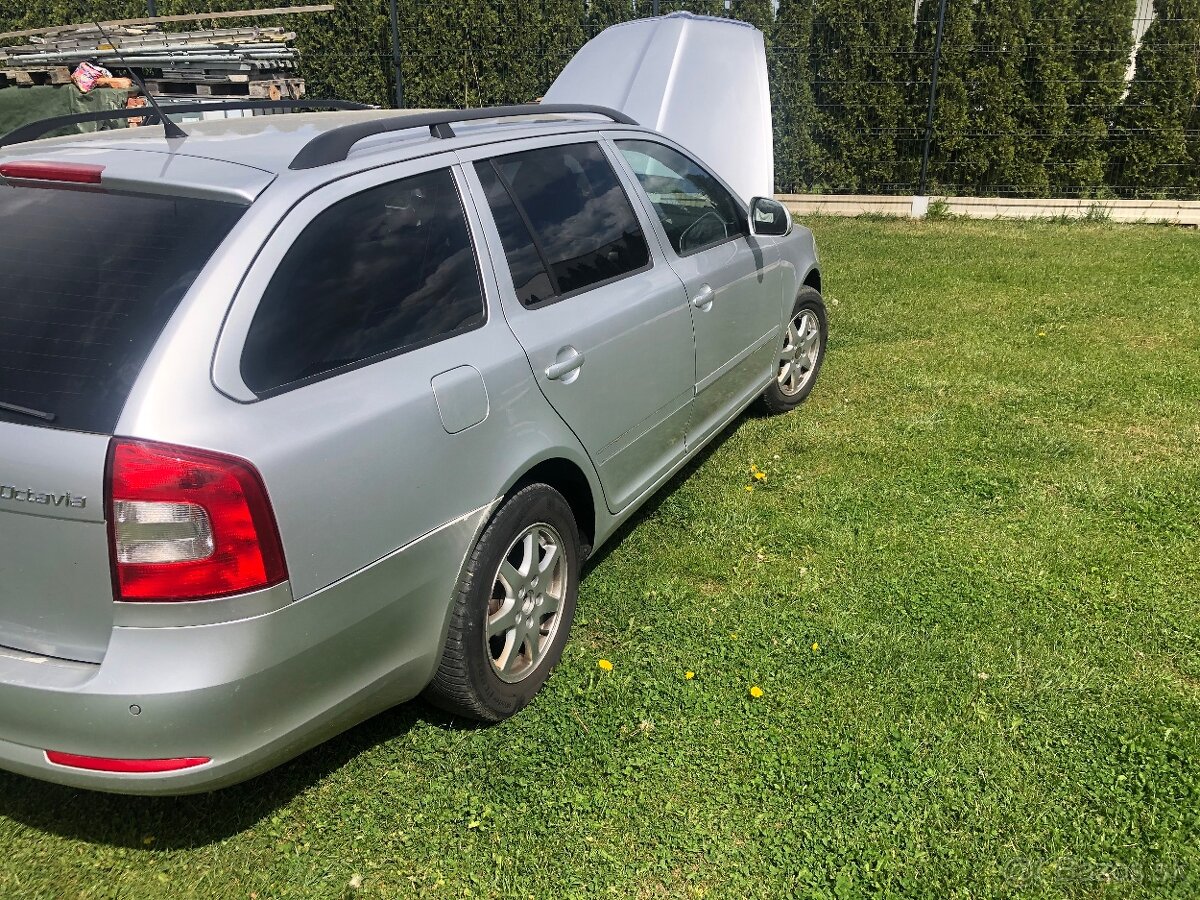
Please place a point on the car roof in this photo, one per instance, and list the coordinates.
(270, 142)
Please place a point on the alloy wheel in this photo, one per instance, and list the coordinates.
(526, 603)
(801, 349)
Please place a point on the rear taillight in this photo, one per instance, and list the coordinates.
(188, 524)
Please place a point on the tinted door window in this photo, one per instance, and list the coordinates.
(87, 282)
(696, 212)
(390, 269)
(530, 278)
(571, 207)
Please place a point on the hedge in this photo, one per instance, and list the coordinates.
(1032, 99)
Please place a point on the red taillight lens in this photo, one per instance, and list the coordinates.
(106, 764)
(188, 524)
(74, 173)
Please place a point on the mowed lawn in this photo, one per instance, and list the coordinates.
(969, 590)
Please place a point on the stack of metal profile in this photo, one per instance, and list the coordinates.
(204, 55)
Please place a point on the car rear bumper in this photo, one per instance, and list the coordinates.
(247, 694)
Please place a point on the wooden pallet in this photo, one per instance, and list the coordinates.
(256, 89)
(29, 77)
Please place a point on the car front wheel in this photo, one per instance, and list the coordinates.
(801, 355)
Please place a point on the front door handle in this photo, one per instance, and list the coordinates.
(569, 361)
(703, 299)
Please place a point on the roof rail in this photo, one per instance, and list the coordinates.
(35, 130)
(335, 145)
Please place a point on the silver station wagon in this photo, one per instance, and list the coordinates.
(304, 415)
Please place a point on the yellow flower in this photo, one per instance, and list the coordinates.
(689, 675)
(605, 665)
(760, 476)
(749, 489)
(756, 692)
(1041, 334)
(816, 646)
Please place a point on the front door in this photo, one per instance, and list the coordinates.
(731, 278)
(603, 320)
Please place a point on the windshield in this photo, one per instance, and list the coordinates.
(87, 282)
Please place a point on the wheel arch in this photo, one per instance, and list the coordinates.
(813, 279)
(566, 477)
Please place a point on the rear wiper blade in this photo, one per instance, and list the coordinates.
(26, 411)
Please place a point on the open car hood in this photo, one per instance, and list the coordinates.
(699, 80)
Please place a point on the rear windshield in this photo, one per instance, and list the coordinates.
(87, 283)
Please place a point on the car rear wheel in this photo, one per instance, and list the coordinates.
(801, 355)
(512, 610)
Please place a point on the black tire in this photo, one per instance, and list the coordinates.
(469, 682)
(777, 399)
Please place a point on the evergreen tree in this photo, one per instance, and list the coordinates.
(1102, 39)
(562, 34)
(603, 13)
(1050, 80)
(953, 112)
(759, 13)
(453, 55)
(1152, 153)
(995, 161)
(792, 97)
(700, 7)
(346, 53)
(860, 92)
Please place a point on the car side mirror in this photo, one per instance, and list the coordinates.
(769, 218)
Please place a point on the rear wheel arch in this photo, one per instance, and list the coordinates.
(569, 480)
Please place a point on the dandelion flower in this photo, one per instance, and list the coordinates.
(756, 692)
(816, 646)
(605, 665)
(689, 675)
(749, 489)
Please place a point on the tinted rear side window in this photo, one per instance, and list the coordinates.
(87, 283)
(387, 270)
(531, 281)
(582, 221)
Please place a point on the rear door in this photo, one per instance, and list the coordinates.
(731, 278)
(603, 321)
(88, 279)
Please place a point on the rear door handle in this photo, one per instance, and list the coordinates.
(704, 297)
(569, 360)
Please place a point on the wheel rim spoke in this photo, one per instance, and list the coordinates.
(503, 620)
(527, 598)
(549, 557)
(512, 579)
(801, 348)
(785, 371)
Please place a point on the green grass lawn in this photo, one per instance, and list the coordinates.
(968, 589)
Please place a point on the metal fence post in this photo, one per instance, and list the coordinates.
(655, 7)
(396, 59)
(933, 86)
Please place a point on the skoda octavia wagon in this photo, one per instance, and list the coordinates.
(302, 416)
